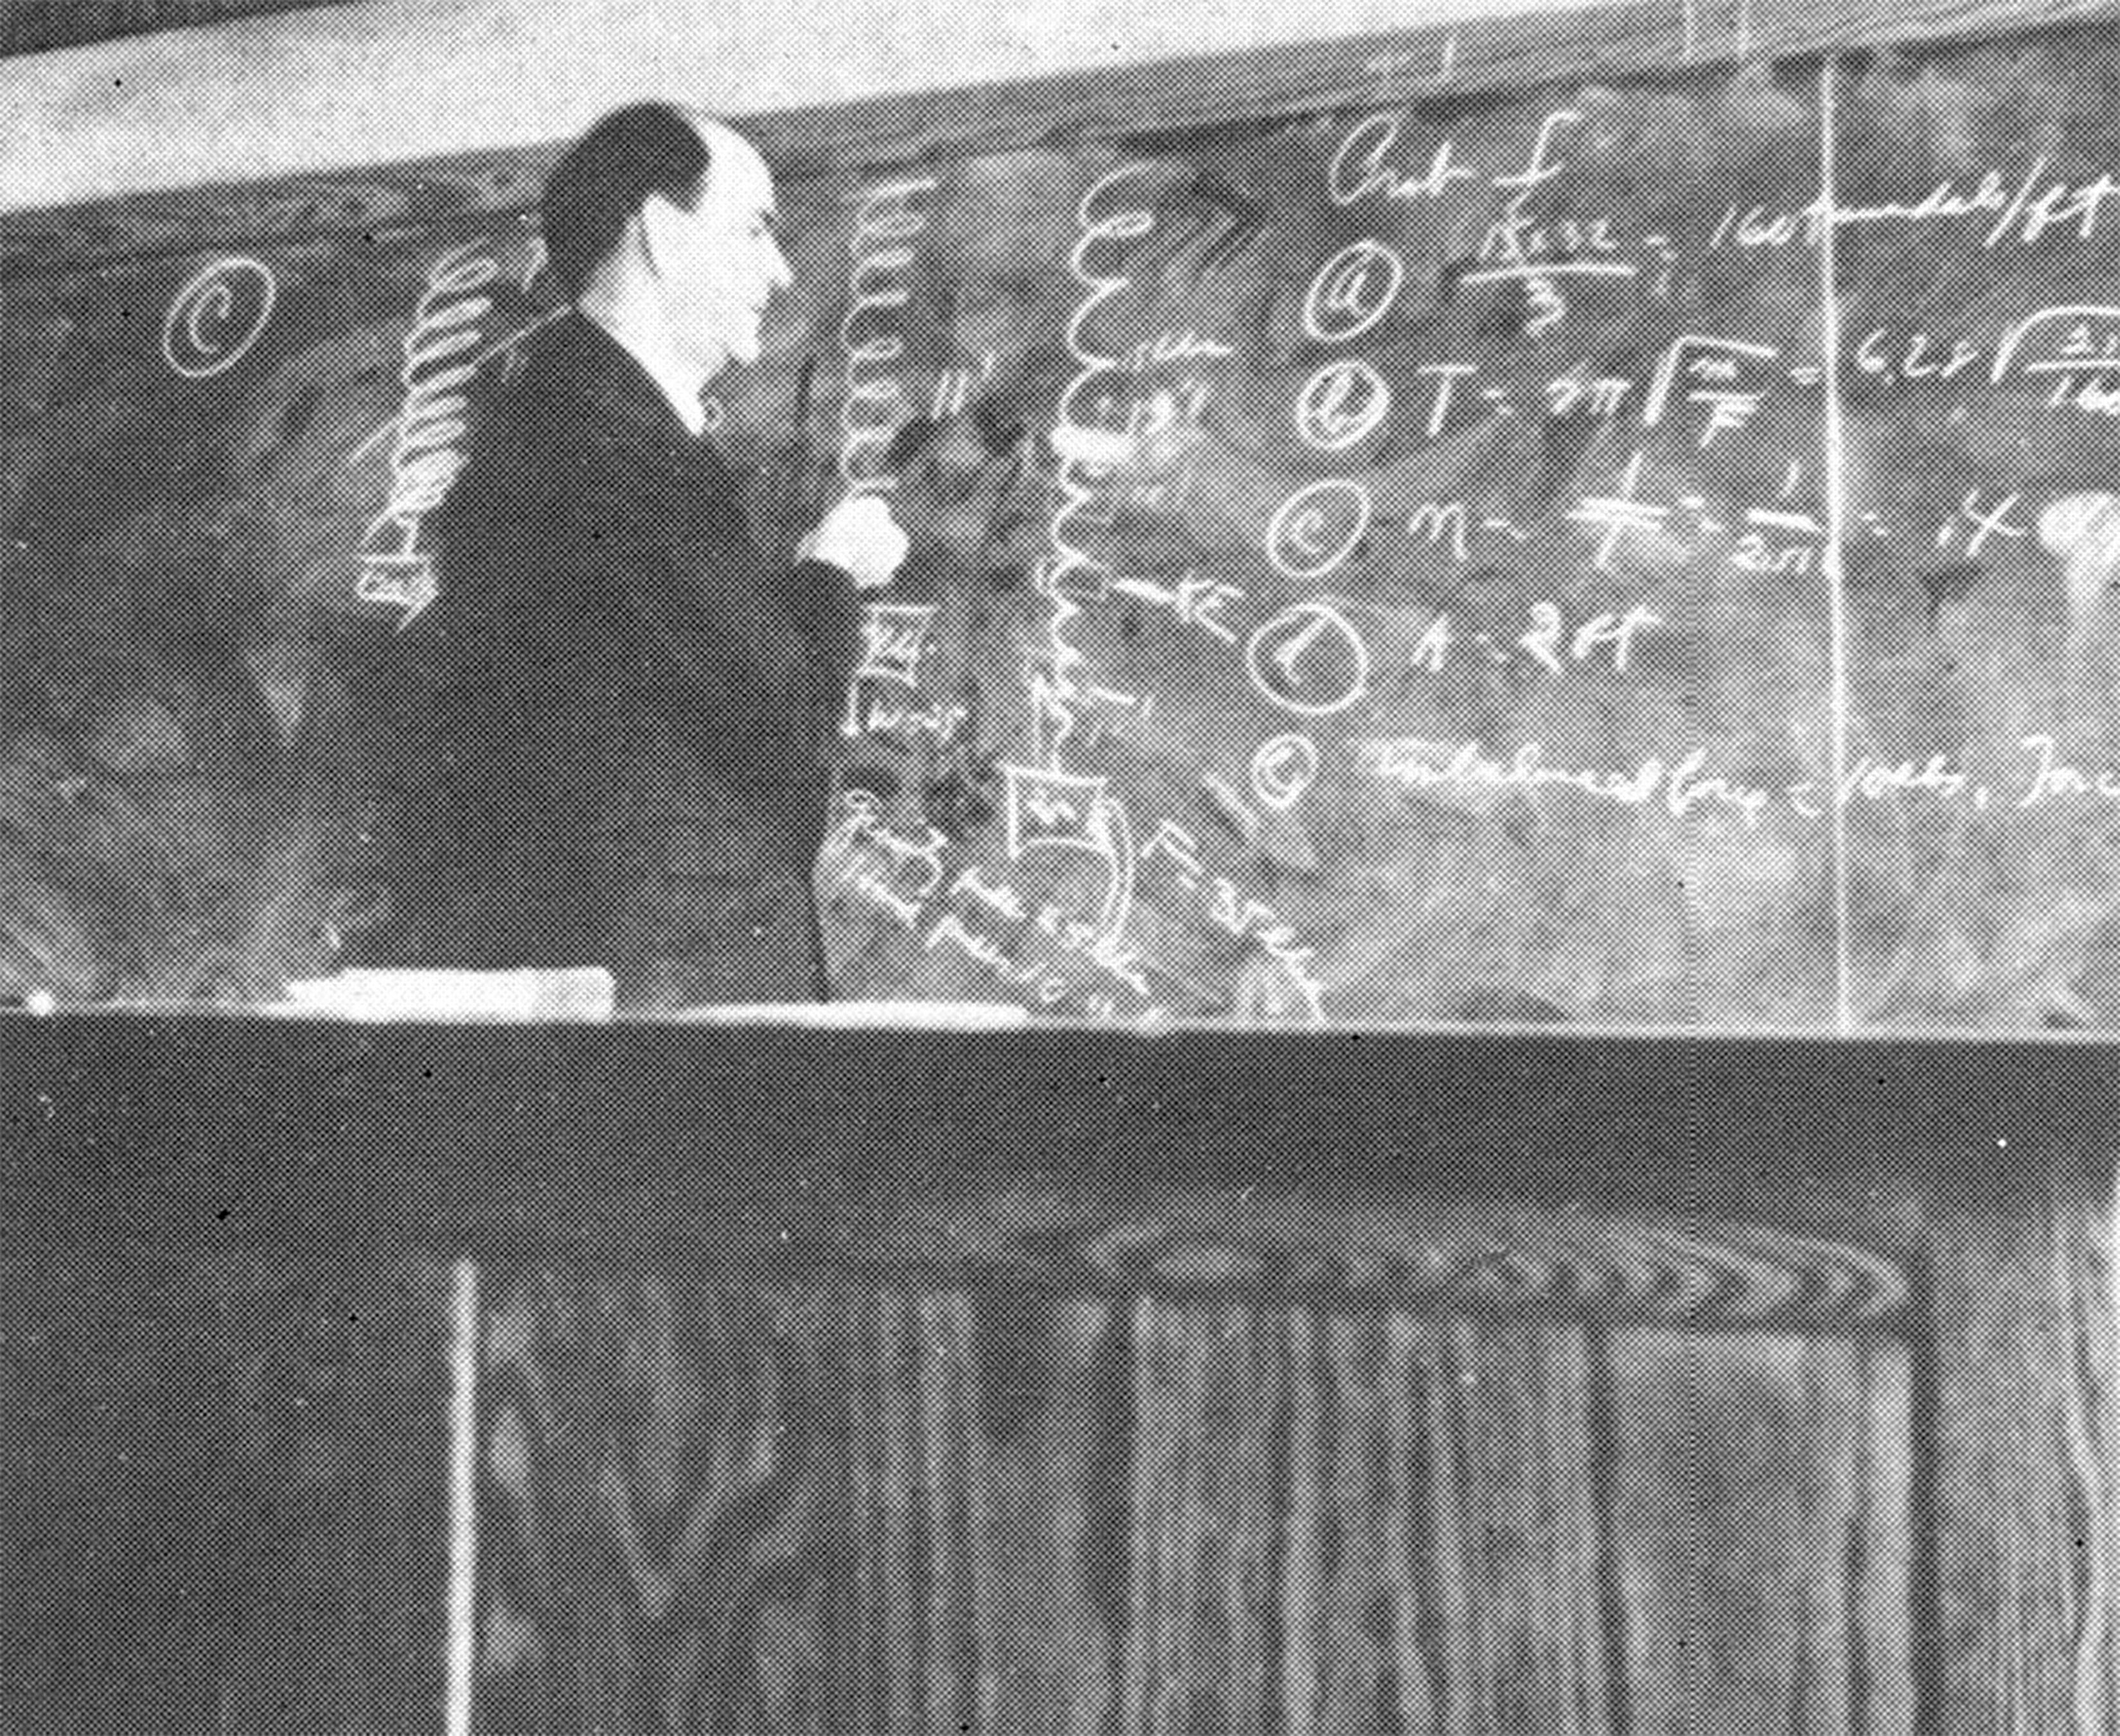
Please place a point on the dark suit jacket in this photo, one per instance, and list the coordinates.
(623, 760)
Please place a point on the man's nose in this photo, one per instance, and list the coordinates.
(778, 275)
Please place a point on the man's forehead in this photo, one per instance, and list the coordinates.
(739, 175)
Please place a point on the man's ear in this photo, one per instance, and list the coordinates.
(659, 222)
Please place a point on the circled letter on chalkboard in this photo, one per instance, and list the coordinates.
(1309, 660)
(1283, 769)
(217, 316)
(1341, 404)
(1313, 531)
(1353, 289)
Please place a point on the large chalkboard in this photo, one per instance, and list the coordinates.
(1634, 551)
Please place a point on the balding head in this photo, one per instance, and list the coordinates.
(601, 185)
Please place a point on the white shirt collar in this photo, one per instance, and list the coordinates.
(678, 380)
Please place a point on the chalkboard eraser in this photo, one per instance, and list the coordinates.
(525, 996)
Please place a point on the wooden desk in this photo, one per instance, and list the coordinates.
(1062, 1379)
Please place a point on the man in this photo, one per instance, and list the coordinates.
(625, 762)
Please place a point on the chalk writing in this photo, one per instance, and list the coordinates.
(1431, 651)
(893, 640)
(1309, 660)
(441, 357)
(1760, 551)
(1621, 514)
(1444, 644)
(1169, 348)
(1013, 957)
(1052, 809)
(1603, 396)
(1352, 290)
(1987, 519)
(954, 387)
(1615, 632)
(1196, 601)
(1475, 778)
(1283, 769)
(886, 225)
(864, 821)
(1446, 375)
(870, 856)
(2077, 345)
(1315, 529)
(1445, 523)
(1540, 168)
(1341, 404)
(1249, 918)
(2023, 209)
(1050, 985)
(893, 637)
(217, 316)
(944, 722)
(1520, 246)
(1469, 776)
(1230, 909)
(1548, 639)
(1712, 365)
(2053, 779)
(1911, 357)
(1360, 169)
(1172, 843)
(1091, 450)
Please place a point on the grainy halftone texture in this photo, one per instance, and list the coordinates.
(27, 26)
(221, 1505)
(1409, 1384)
(716, 1507)
(1415, 563)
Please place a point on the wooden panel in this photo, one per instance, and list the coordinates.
(2027, 1523)
(1533, 1538)
(1379, 1612)
(1759, 1519)
(1210, 1397)
(221, 1500)
(1418, 1250)
(1442, 1571)
(928, 1511)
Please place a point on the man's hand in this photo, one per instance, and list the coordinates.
(860, 537)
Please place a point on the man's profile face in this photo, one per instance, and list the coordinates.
(719, 263)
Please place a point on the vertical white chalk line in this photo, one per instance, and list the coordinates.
(1692, 26)
(463, 1471)
(1836, 538)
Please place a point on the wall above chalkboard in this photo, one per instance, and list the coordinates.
(1561, 522)
(29, 26)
